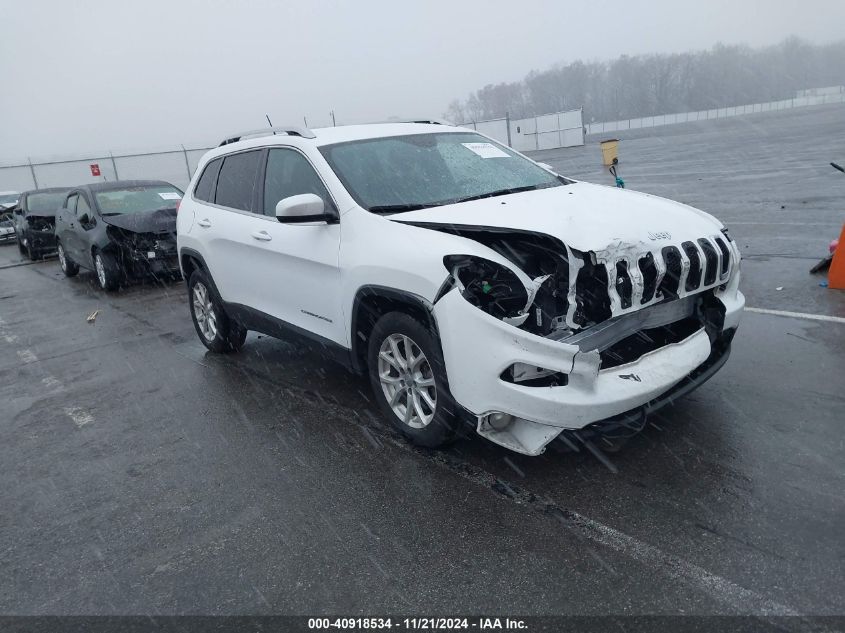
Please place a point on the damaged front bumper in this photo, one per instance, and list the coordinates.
(39, 241)
(479, 351)
(149, 258)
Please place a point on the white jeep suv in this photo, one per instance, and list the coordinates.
(468, 281)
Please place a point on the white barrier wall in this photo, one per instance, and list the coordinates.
(548, 131)
(717, 113)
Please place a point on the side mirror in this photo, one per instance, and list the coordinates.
(86, 221)
(306, 207)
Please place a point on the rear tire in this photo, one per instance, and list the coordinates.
(69, 267)
(108, 272)
(408, 378)
(214, 327)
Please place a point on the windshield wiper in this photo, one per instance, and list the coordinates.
(399, 208)
(499, 192)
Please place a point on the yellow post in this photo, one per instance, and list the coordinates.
(609, 152)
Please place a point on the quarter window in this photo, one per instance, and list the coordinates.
(236, 182)
(205, 185)
(290, 174)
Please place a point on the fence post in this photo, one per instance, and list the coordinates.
(187, 164)
(32, 171)
(114, 166)
(508, 123)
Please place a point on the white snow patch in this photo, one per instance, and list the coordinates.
(80, 416)
(27, 355)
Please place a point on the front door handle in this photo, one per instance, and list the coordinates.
(204, 223)
(262, 236)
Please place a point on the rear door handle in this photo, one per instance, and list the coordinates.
(204, 223)
(262, 236)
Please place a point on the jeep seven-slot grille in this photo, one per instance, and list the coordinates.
(605, 289)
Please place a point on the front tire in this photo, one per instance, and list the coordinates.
(214, 327)
(408, 378)
(108, 272)
(69, 267)
(33, 254)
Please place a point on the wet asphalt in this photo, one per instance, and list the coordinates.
(142, 475)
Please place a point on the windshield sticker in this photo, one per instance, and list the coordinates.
(170, 195)
(486, 150)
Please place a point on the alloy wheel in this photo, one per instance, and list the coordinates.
(204, 311)
(407, 381)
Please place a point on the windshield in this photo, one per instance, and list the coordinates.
(138, 199)
(9, 198)
(40, 202)
(403, 173)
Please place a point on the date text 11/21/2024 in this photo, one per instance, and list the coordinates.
(418, 624)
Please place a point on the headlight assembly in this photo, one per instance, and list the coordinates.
(489, 286)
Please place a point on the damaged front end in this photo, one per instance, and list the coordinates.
(605, 331)
(39, 233)
(145, 254)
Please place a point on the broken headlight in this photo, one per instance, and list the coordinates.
(487, 285)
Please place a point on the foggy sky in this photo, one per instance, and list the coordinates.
(85, 77)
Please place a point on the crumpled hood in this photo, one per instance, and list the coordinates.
(583, 216)
(160, 221)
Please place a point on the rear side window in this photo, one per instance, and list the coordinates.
(236, 182)
(205, 185)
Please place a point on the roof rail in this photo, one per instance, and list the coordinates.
(423, 120)
(291, 130)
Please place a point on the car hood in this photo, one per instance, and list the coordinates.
(583, 216)
(160, 221)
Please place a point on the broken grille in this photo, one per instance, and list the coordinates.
(608, 288)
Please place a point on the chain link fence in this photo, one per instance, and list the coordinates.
(176, 166)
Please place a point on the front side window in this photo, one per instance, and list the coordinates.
(290, 174)
(236, 182)
(403, 173)
(138, 199)
(70, 205)
(82, 207)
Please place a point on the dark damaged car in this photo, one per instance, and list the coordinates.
(121, 230)
(35, 221)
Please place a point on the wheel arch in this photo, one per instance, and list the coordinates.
(370, 303)
(189, 261)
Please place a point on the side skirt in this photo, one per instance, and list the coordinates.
(258, 321)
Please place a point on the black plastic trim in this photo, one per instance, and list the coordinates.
(258, 321)
(401, 296)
